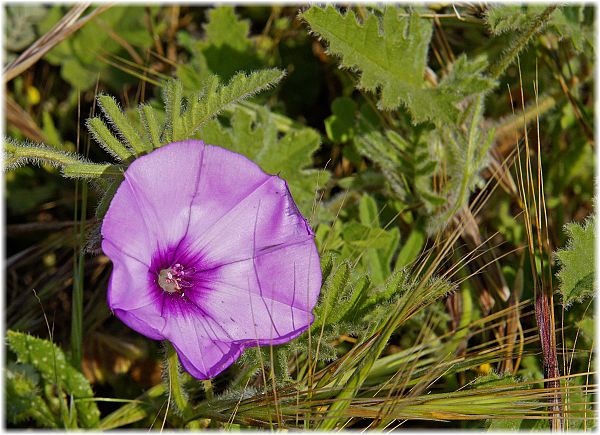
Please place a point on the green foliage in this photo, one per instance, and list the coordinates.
(568, 21)
(391, 56)
(17, 155)
(20, 27)
(400, 160)
(365, 241)
(412, 247)
(22, 395)
(126, 142)
(50, 363)
(257, 138)
(79, 57)
(465, 149)
(225, 50)
(577, 263)
(408, 165)
(375, 244)
(215, 97)
(340, 125)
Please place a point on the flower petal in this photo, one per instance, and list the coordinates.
(143, 320)
(124, 227)
(130, 286)
(264, 300)
(198, 340)
(266, 218)
(151, 208)
(226, 179)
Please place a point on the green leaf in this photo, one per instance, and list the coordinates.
(407, 164)
(216, 97)
(225, 50)
(21, 21)
(23, 399)
(567, 22)
(576, 274)
(378, 260)
(391, 56)
(128, 132)
(147, 404)
(340, 125)
(465, 149)
(411, 248)
(107, 140)
(49, 360)
(225, 28)
(287, 156)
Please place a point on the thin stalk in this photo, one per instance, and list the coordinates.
(78, 279)
(176, 387)
(175, 380)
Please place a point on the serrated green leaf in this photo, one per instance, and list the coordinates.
(576, 274)
(49, 360)
(391, 56)
(225, 28)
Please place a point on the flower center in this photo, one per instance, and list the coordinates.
(176, 278)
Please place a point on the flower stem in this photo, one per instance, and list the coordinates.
(174, 380)
(208, 389)
(176, 387)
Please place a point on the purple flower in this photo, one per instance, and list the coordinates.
(210, 253)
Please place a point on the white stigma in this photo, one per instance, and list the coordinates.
(172, 280)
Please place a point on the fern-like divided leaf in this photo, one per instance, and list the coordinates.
(466, 151)
(215, 97)
(408, 165)
(391, 56)
(49, 361)
(577, 262)
(72, 165)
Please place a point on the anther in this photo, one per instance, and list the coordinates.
(172, 279)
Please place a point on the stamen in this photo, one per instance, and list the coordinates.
(172, 279)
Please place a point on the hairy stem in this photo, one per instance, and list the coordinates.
(520, 43)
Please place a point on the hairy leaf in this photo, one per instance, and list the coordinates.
(216, 97)
(577, 262)
(391, 56)
(568, 21)
(408, 165)
(466, 153)
(49, 360)
(22, 396)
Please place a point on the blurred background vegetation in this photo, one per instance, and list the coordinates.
(384, 190)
